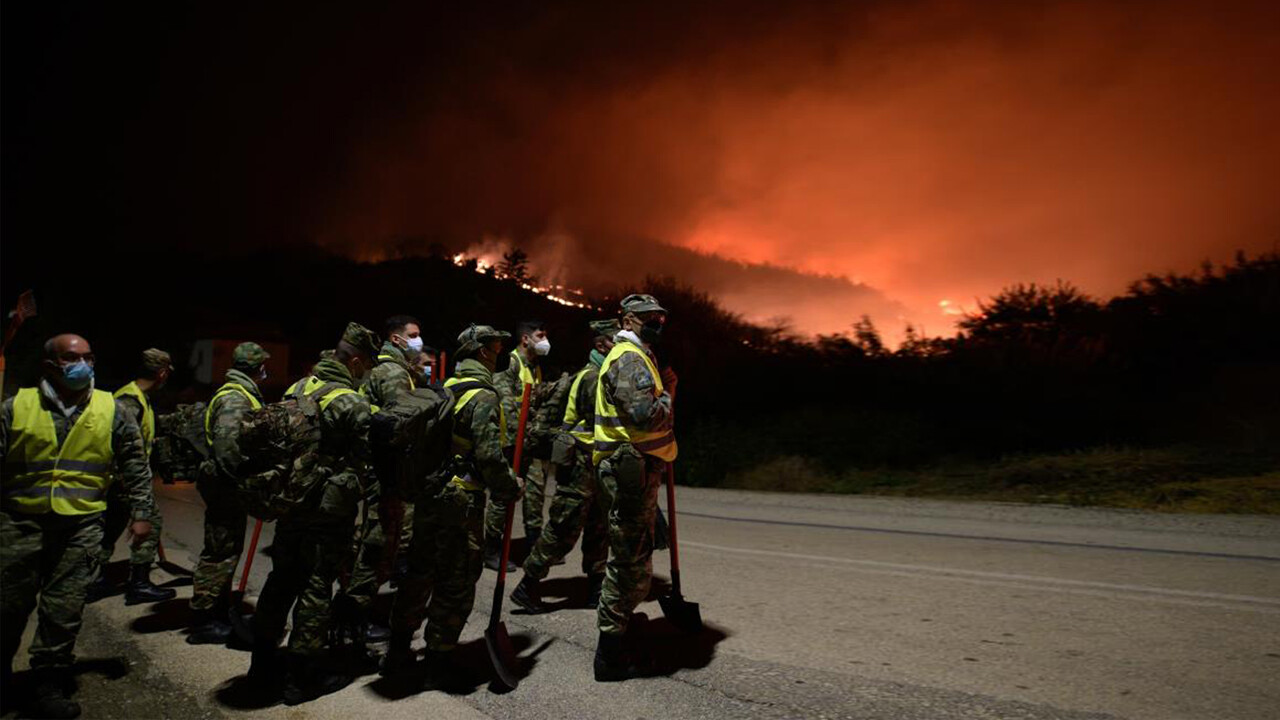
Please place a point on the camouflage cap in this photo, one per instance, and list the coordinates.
(473, 337)
(605, 328)
(361, 338)
(638, 303)
(155, 360)
(249, 354)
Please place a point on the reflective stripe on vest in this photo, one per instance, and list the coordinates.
(225, 390)
(72, 480)
(462, 447)
(388, 358)
(611, 431)
(148, 425)
(328, 397)
(582, 429)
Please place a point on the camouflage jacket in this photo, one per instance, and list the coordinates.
(389, 378)
(225, 415)
(629, 384)
(130, 404)
(510, 389)
(479, 421)
(130, 459)
(585, 402)
(344, 438)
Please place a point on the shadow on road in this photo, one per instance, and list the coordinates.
(470, 670)
(672, 649)
(164, 616)
(572, 591)
(22, 686)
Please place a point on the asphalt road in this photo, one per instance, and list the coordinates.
(817, 606)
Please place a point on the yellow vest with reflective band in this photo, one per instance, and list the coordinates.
(527, 376)
(328, 397)
(388, 358)
(462, 446)
(41, 477)
(610, 429)
(148, 426)
(311, 383)
(225, 390)
(582, 429)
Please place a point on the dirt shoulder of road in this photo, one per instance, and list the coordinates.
(1181, 480)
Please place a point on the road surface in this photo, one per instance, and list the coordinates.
(820, 606)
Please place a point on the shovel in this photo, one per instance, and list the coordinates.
(502, 654)
(682, 613)
(239, 623)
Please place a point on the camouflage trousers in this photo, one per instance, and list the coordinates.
(116, 519)
(445, 561)
(224, 526)
(373, 552)
(311, 547)
(47, 561)
(575, 510)
(629, 481)
(535, 489)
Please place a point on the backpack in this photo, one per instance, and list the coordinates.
(411, 439)
(180, 446)
(547, 416)
(282, 462)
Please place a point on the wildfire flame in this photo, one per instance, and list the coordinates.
(489, 263)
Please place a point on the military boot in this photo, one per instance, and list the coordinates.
(493, 556)
(99, 589)
(52, 698)
(400, 658)
(142, 590)
(612, 664)
(307, 678)
(528, 596)
(210, 627)
(594, 585)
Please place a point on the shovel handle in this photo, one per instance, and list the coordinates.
(248, 561)
(671, 523)
(495, 615)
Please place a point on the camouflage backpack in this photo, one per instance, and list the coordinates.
(280, 444)
(546, 416)
(411, 441)
(180, 446)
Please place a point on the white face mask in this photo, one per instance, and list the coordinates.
(542, 347)
(427, 372)
(414, 343)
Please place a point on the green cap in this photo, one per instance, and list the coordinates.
(155, 360)
(475, 336)
(605, 328)
(249, 354)
(361, 338)
(638, 303)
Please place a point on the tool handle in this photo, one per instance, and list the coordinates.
(253, 549)
(671, 523)
(495, 615)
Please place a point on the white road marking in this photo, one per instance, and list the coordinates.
(1027, 582)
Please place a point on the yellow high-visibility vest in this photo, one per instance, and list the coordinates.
(611, 430)
(69, 480)
(226, 389)
(148, 425)
(527, 376)
(462, 446)
(328, 397)
(581, 428)
(388, 358)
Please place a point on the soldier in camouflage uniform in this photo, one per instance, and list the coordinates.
(445, 555)
(135, 398)
(522, 369)
(384, 511)
(61, 445)
(314, 540)
(633, 443)
(574, 509)
(224, 516)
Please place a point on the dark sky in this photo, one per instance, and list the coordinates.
(931, 150)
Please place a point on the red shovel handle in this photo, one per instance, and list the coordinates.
(253, 549)
(498, 590)
(671, 523)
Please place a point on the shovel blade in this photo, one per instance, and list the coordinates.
(502, 655)
(682, 613)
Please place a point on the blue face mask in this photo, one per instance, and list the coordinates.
(77, 375)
